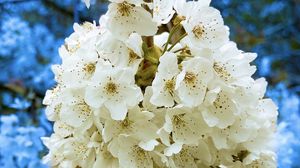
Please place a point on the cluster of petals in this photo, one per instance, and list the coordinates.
(203, 108)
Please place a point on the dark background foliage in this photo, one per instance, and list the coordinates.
(32, 30)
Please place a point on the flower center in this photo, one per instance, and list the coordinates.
(111, 88)
(222, 71)
(170, 85)
(89, 68)
(190, 78)
(140, 153)
(177, 119)
(126, 123)
(80, 150)
(222, 103)
(132, 56)
(85, 109)
(184, 153)
(124, 9)
(198, 31)
(240, 156)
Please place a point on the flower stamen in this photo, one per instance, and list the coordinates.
(190, 78)
(111, 88)
(198, 31)
(124, 9)
(89, 68)
(170, 85)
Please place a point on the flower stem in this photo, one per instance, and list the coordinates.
(183, 48)
(173, 30)
(177, 41)
(149, 40)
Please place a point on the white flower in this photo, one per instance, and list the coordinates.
(183, 8)
(163, 11)
(63, 129)
(187, 127)
(191, 83)
(220, 109)
(55, 144)
(53, 100)
(114, 89)
(232, 66)
(136, 124)
(241, 131)
(85, 36)
(163, 85)
(80, 151)
(119, 53)
(78, 70)
(130, 154)
(83, 32)
(105, 159)
(264, 113)
(190, 155)
(263, 140)
(124, 19)
(77, 113)
(206, 29)
(251, 92)
(58, 71)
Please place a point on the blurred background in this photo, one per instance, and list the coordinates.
(32, 30)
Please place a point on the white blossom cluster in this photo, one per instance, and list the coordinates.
(158, 84)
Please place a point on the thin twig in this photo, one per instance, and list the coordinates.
(180, 49)
(173, 30)
(177, 41)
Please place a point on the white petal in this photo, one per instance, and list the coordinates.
(111, 129)
(164, 136)
(93, 97)
(163, 11)
(118, 110)
(211, 21)
(219, 140)
(211, 120)
(133, 95)
(173, 149)
(62, 129)
(148, 146)
(138, 20)
(162, 99)
(168, 124)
